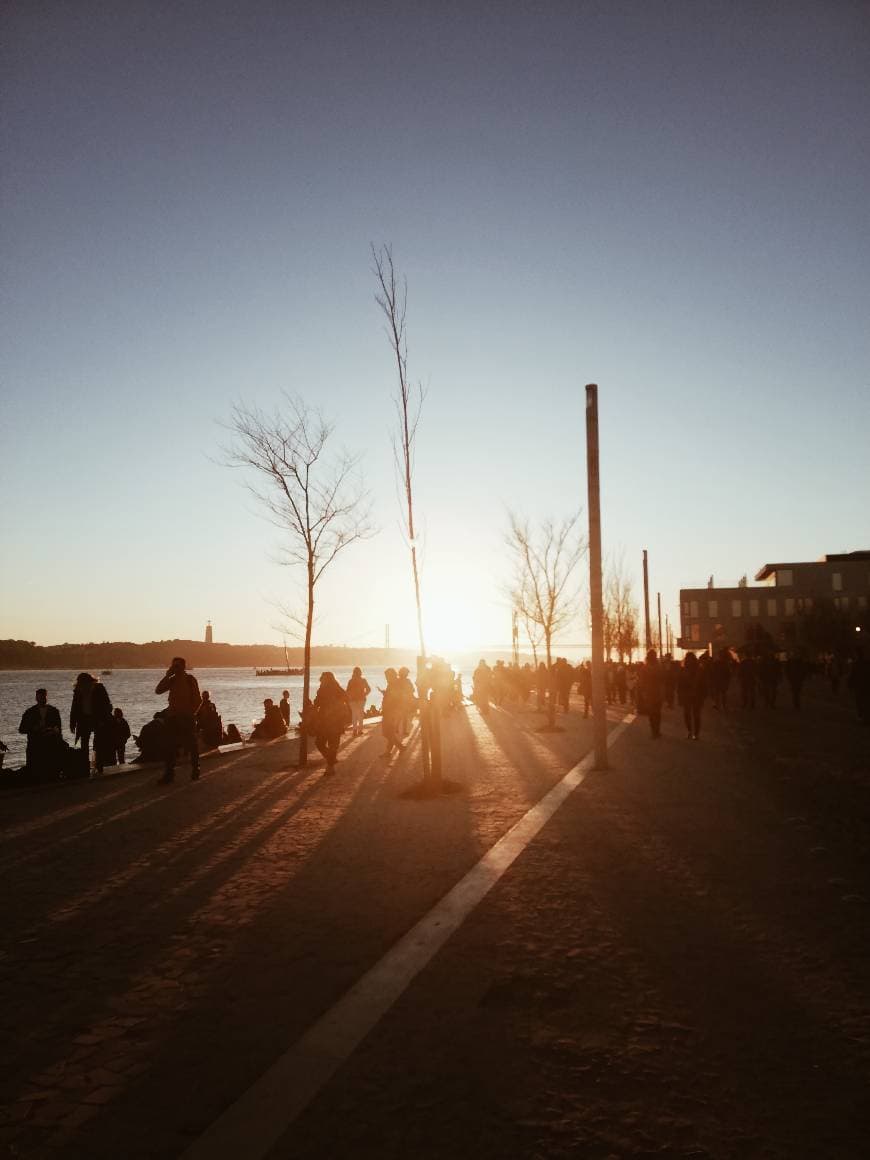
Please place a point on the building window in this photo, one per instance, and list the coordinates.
(789, 606)
(837, 581)
(771, 606)
(693, 608)
(784, 578)
(862, 602)
(712, 609)
(736, 608)
(686, 608)
(753, 608)
(841, 603)
(695, 632)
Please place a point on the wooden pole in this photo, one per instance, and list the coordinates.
(659, 601)
(599, 703)
(647, 631)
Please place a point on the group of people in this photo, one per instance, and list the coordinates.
(92, 719)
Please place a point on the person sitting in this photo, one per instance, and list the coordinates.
(272, 724)
(153, 739)
(208, 722)
(121, 734)
(232, 736)
(45, 748)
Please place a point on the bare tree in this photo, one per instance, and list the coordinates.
(544, 587)
(314, 497)
(393, 300)
(621, 615)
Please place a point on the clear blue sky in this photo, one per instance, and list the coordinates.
(670, 199)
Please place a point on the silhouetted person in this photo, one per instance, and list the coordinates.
(357, 690)
(481, 686)
(796, 674)
(153, 739)
(232, 735)
(769, 676)
(333, 716)
(746, 676)
(620, 684)
(91, 716)
(392, 711)
(669, 680)
(184, 700)
(208, 722)
(691, 691)
(45, 748)
(121, 734)
(409, 699)
(272, 723)
(650, 693)
(284, 707)
(720, 679)
(564, 676)
(584, 685)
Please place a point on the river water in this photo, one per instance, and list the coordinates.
(238, 694)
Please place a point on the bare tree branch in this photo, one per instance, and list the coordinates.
(317, 502)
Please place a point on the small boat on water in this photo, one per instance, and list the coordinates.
(287, 671)
(106, 673)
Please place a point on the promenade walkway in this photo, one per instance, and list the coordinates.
(676, 965)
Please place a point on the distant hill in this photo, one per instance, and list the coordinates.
(156, 654)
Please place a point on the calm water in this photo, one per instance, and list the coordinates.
(238, 694)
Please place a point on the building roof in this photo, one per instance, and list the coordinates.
(832, 558)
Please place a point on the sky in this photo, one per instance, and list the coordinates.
(668, 199)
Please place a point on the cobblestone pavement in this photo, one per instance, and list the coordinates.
(162, 945)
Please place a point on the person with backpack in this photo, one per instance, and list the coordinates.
(184, 700)
(332, 715)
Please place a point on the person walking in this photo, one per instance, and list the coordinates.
(391, 713)
(691, 690)
(649, 693)
(91, 716)
(184, 700)
(357, 690)
(332, 714)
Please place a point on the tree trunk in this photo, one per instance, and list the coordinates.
(551, 700)
(306, 668)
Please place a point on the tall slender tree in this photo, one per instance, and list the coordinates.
(545, 586)
(313, 496)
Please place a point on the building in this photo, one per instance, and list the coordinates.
(209, 639)
(785, 596)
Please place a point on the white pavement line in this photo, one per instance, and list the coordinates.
(258, 1119)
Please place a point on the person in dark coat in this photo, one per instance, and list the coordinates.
(284, 707)
(392, 711)
(153, 738)
(121, 734)
(650, 693)
(691, 691)
(208, 722)
(272, 723)
(184, 700)
(91, 716)
(333, 717)
(796, 669)
(42, 726)
(746, 676)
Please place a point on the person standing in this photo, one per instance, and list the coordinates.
(691, 690)
(121, 734)
(91, 716)
(357, 690)
(650, 693)
(332, 715)
(42, 726)
(391, 712)
(184, 700)
(284, 706)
